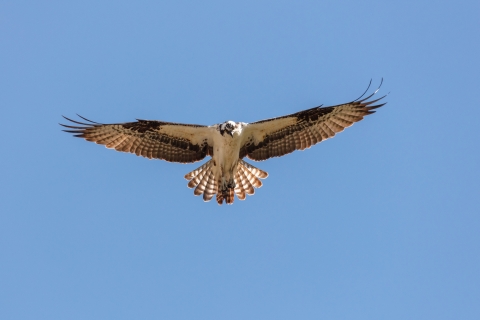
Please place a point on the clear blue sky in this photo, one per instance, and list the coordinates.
(381, 222)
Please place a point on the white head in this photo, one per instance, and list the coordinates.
(228, 127)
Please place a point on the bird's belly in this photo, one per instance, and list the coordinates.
(226, 154)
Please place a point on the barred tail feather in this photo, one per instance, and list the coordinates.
(254, 170)
(201, 186)
(247, 178)
(196, 172)
(196, 180)
(230, 196)
(239, 189)
(219, 198)
(246, 183)
(200, 177)
(251, 178)
(211, 187)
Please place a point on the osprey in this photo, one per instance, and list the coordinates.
(227, 143)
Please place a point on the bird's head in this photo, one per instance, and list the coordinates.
(228, 127)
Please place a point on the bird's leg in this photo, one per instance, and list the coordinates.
(231, 184)
(227, 182)
(223, 184)
(231, 181)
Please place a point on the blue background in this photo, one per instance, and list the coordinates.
(381, 222)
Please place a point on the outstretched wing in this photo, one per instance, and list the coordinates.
(279, 136)
(174, 142)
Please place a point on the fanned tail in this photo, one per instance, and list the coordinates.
(194, 173)
(253, 170)
(210, 188)
(203, 180)
(247, 178)
(239, 188)
(247, 186)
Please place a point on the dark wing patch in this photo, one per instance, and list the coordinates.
(305, 129)
(146, 138)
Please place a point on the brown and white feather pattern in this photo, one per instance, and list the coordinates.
(239, 189)
(210, 188)
(279, 136)
(196, 175)
(231, 141)
(151, 139)
(203, 180)
(247, 178)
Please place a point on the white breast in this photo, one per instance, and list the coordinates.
(226, 150)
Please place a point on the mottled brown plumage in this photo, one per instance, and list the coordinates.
(144, 138)
(311, 127)
(226, 174)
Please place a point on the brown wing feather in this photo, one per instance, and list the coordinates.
(279, 136)
(151, 139)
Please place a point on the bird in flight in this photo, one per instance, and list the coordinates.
(227, 143)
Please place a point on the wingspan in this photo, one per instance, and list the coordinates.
(174, 142)
(279, 136)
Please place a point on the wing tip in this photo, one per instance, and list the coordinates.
(363, 100)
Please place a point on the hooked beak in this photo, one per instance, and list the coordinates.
(230, 133)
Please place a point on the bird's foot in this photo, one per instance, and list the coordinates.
(231, 184)
(225, 186)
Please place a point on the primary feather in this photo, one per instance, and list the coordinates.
(227, 143)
